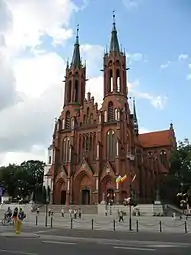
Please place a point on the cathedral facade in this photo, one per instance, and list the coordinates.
(91, 147)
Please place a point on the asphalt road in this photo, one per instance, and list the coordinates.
(43, 246)
(46, 241)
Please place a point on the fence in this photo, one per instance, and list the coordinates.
(113, 224)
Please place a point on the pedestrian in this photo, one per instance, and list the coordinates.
(121, 216)
(106, 212)
(70, 212)
(80, 213)
(75, 213)
(52, 212)
(15, 214)
(62, 212)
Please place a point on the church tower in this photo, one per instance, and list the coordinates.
(75, 78)
(115, 67)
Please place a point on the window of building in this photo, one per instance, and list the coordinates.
(110, 112)
(118, 83)
(66, 150)
(67, 120)
(76, 91)
(110, 145)
(110, 81)
(69, 94)
(163, 157)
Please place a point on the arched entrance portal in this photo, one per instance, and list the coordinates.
(85, 196)
(108, 189)
(63, 197)
(83, 188)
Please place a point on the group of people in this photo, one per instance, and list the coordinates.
(14, 215)
(75, 213)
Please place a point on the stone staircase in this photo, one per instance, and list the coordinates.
(86, 209)
(145, 209)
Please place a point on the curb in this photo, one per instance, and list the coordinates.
(22, 235)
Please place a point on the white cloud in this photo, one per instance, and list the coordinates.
(31, 92)
(33, 19)
(130, 3)
(36, 74)
(182, 57)
(94, 56)
(166, 65)
(135, 57)
(156, 101)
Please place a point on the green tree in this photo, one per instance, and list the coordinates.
(179, 177)
(35, 170)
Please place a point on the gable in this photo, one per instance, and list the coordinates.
(107, 169)
(85, 166)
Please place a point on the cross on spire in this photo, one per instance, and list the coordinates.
(113, 16)
(77, 30)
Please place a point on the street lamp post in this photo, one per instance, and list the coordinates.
(130, 211)
(47, 200)
(131, 158)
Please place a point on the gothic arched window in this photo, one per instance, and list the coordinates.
(65, 150)
(163, 157)
(94, 146)
(110, 81)
(69, 92)
(118, 82)
(76, 91)
(80, 148)
(111, 147)
(67, 120)
(110, 112)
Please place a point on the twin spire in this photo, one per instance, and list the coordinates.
(76, 60)
(114, 45)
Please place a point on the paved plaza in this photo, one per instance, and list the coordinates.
(110, 223)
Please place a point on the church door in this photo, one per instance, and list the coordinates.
(85, 196)
(63, 197)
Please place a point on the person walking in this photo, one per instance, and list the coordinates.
(121, 219)
(62, 212)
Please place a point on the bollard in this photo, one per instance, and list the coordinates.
(71, 223)
(160, 226)
(92, 224)
(51, 220)
(185, 227)
(137, 225)
(36, 222)
(18, 227)
(114, 225)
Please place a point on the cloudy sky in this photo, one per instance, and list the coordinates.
(36, 39)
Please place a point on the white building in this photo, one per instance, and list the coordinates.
(47, 180)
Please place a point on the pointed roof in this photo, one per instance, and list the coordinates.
(114, 43)
(156, 139)
(76, 60)
(135, 121)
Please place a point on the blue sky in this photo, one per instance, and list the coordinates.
(161, 31)
(155, 34)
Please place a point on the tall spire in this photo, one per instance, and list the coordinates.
(114, 43)
(76, 60)
(135, 121)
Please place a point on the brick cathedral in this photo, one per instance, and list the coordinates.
(92, 146)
